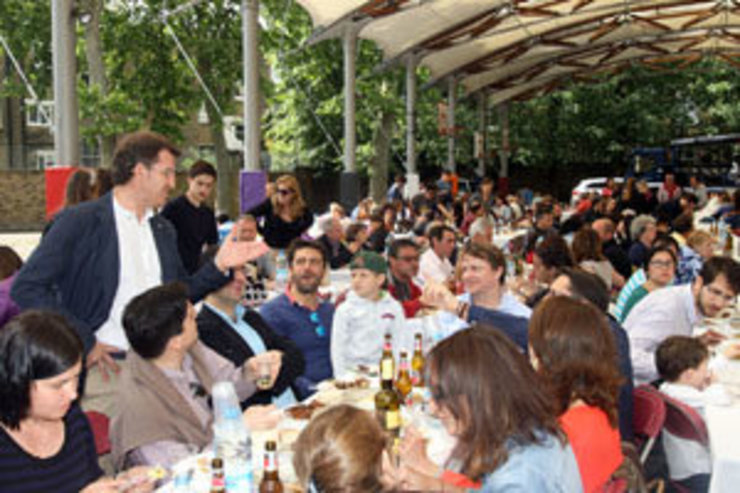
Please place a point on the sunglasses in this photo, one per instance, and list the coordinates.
(320, 330)
(285, 191)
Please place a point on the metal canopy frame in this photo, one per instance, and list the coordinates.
(518, 49)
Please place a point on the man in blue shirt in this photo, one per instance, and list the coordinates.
(300, 315)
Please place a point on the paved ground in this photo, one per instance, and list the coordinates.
(22, 243)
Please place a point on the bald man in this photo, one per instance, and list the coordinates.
(612, 250)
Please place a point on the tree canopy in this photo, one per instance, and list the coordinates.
(150, 84)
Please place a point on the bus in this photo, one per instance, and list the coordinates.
(713, 158)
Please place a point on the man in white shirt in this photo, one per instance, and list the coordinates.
(677, 310)
(435, 263)
(100, 254)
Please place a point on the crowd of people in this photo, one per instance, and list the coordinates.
(134, 306)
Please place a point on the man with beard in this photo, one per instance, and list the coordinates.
(300, 315)
(677, 310)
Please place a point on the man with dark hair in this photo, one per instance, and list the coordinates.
(193, 220)
(237, 333)
(578, 283)
(550, 256)
(165, 390)
(435, 263)
(403, 267)
(100, 254)
(676, 310)
(616, 255)
(395, 192)
(302, 316)
(544, 219)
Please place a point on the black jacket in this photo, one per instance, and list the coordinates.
(215, 333)
(74, 270)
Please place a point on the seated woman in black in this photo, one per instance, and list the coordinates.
(45, 439)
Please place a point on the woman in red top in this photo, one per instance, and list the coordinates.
(571, 347)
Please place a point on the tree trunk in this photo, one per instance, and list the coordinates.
(381, 160)
(96, 68)
(227, 185)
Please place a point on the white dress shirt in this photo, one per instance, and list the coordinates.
(432, 268)
(139, 270)
(660, 314)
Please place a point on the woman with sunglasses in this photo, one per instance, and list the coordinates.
(660, 269)
(284, 213)
(46, 443)
(489, 399)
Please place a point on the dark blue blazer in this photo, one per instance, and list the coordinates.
(74, 270)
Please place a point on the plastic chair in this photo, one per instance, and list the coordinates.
(100, 423)
(648, 417)
(684, 422)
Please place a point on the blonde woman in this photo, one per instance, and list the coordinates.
(284, 213)
(340, 451)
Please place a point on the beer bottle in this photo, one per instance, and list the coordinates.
(728, 243)
(417, 363)
(270, 478)
(387, 401)
(403, 382)
(218, 481)
(387, 363)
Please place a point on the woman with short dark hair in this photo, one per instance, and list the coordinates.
(45, 440)
(660, 268)
(573, 350)
(506, 431)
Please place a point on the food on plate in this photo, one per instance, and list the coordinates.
(357, 383)
(367, 370)
(156, 473)
(304, 411)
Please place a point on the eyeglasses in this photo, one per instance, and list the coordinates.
(285, 191)
(409, 258)
(320, 330)
(720, 294)
(666, 264)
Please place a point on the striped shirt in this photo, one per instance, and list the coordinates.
(637, 279)
(69, 470)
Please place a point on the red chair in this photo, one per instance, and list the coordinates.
(683, 421)
(100, 423)
(649, 414)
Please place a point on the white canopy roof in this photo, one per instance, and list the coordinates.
(517, 49)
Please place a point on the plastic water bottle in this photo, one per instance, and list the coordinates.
(510, 263)
(281, 271)
(231, 440)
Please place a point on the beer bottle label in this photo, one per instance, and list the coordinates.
(392, 420)
(386, 369)
(270, 464)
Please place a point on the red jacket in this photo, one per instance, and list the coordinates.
(410, 305)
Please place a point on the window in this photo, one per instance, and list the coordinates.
(44, 159)
(39, 113)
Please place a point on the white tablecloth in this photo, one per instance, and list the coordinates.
(724, 438)
(723, 424)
